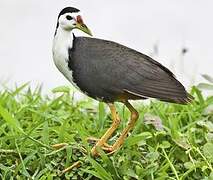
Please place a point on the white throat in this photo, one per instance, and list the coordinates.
(62, 42)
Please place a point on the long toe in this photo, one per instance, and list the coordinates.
(108, 149)
(94, 140)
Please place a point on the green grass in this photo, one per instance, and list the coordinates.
(169, 141)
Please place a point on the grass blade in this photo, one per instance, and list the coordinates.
(12, 122)
(100, 170)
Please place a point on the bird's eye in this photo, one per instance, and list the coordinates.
(69, 17)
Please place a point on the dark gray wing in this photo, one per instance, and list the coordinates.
(113, 69)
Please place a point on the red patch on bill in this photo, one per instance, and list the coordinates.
(79, 19)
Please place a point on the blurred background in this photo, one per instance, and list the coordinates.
(176, 33)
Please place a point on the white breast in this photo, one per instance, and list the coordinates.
(63, 40)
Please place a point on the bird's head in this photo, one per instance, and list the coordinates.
(69, 19)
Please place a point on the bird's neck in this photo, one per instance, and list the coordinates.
(63, 38)
(63, 41)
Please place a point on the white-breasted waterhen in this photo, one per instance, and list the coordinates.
(110, 72)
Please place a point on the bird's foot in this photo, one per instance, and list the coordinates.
(94, 140)
(106, 147)
(109, 149)
(94, 150)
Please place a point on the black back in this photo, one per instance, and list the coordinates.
(105, 70)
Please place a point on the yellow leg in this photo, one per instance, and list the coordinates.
(109, 132)
(94, 140)
(133, 119)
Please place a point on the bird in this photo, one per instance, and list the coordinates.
(110, 72)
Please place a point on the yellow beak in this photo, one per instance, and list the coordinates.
(83, 28)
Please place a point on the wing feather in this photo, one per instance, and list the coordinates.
(118, 68)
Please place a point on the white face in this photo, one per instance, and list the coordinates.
(67, 21)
